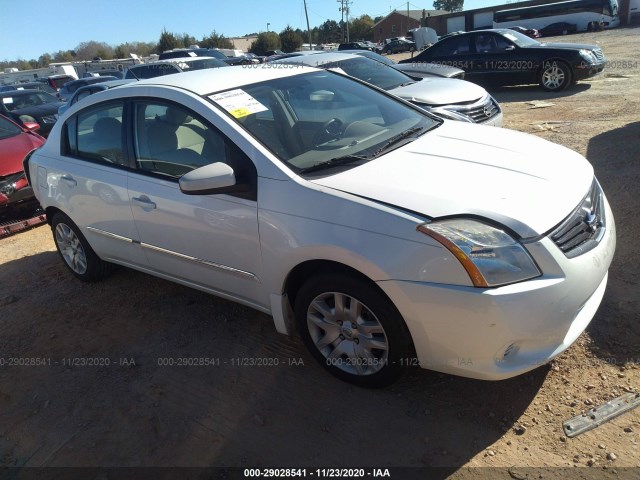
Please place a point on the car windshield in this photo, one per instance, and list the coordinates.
(362, 68)
(319, 119)
(25, 100)
(520, 39)
(8, 129)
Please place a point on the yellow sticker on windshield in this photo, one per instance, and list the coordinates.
(240, 112)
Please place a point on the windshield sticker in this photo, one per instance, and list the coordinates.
(7, 100)
(238, 103)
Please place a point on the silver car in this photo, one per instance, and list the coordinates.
(446, 97)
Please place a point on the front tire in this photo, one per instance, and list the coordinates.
(352, 329)
(75, 251)
(555, 76)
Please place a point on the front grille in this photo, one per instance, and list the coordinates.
(481, 112)
(583, 229)
(598, 53)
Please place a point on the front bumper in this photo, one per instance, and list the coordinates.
(586, 70)
(498, 333)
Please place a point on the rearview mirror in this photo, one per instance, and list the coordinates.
(213, 178)
(321, 96)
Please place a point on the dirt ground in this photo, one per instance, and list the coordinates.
(131, 411)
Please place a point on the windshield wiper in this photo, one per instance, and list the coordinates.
(397, 139)
(334, 162)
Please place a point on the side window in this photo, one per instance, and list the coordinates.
(490, 43)
(96, 134)
(171, 140)
(456, 45)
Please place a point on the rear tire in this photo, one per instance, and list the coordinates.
(352, 329)
(75, 251)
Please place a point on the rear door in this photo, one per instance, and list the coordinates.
(89, 182)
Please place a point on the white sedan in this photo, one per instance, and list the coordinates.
(386, 236)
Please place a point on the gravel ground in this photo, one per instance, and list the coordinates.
(130, 411)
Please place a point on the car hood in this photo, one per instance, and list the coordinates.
(440, 91)
(569, 46)
(14, 149)
(434, 69)
(521, 181)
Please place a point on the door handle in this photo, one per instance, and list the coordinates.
(69, 180)
(144, 202)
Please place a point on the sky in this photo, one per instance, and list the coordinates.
(48, 26)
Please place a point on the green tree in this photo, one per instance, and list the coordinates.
(143, 49)
(329, 32)
(91, 49)
(187, 40)
(215, 40)
(290, 40)
(64, 56)
(448, 5)
(265, 41)
(361, 28)
(168, 41)
(44, 60)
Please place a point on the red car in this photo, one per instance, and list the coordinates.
(15, 142)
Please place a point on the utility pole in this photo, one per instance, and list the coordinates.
(308, 28)
(341, 9)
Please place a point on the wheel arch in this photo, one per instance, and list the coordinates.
(51, 211)
(304, 270)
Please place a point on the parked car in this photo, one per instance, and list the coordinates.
(25, 106)
(417, 70)
(43, 87)
(305, 194)
(15, 142)
(207, 52)
(529, 32)
(445, 97)
(559, 28)
(56, 81)
(69, 88)
(354, 46)
(505, 57)
(104, 73)
(399, 46)
(87, 90)
(170, 66)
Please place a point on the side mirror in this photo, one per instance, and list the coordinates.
(213, 178)
(510, 48)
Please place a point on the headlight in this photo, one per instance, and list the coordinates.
(447, 114)
(489, 255)
(588, 56)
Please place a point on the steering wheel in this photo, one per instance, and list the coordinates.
(330, 130)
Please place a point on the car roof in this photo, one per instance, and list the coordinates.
(203, 82)
(182, 60)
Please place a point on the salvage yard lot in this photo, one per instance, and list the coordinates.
(256, 398)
